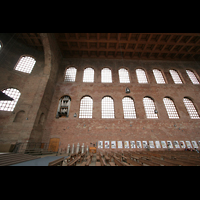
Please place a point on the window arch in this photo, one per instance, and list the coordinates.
(192, 77)
(175, 76)
(70, 74)
(150, 108)
(128, 108)
(170, 107)
(88, 75)
(86, 107)
(25, 64)
(190, 108)
(10, 105)
(123, 76)
(158, 76)
(141, 76)
(107, 107)
(106, 75)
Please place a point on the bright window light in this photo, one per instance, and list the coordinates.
(192, 77)
(175, 76)
(107, 108)
(70, 74)
(25, 64)
(128, 108)
(149, 107)
(171, 109)
(124, 76)
(141, 76)
(106, 76)
(10, 105)
(86, 107)
(158, 76)
(191, 108)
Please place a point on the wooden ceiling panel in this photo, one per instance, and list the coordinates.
(162, 46)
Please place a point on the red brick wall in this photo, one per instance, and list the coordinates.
(73, 130)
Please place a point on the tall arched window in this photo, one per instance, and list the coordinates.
(86, 107)
(10, 105)
(106, 75)
(25, 64)
(170, 107)
(150, 108)
(107, 107)
(158, 76)
(123, 76)
(190, 108)
(175, 76)
(88, 75)
(128, 108)
(192, 77)
(70, 74)
(141, 76)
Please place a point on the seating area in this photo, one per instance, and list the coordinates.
(134, 158)
(106, 158)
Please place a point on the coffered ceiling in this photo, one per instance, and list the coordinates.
(151, 46)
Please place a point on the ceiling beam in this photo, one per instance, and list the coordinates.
(123, 50)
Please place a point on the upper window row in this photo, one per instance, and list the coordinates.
(106, 76)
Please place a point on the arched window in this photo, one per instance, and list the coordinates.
(150, 108)
(25, 64)
(158, 76)
(10, 105)
(88, 75)
(175, 76)
(192, 77)
(141, 76)
(70, 74)
(106, 75)
(190, 108)
(128, 108)
(170, 107)
(107, 108)
(123, 76)
(86, 107)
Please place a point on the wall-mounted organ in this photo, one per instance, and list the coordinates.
(63, 107)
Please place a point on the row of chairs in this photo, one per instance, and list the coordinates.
(135, 158)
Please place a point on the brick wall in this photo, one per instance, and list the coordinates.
(74, 129)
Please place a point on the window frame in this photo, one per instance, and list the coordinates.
(145, 75)
(163, 76)
(180, 76)
(84, 71)
(80, 108)
(102, 109)
(24, 55)
(133, 105)
(72, 66)
(154, 105)
(128, 75)
(111, 75)
(174, 106)
(196, 75)
(12, 100)
(197, 110)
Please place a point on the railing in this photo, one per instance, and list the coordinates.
(22, 147)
